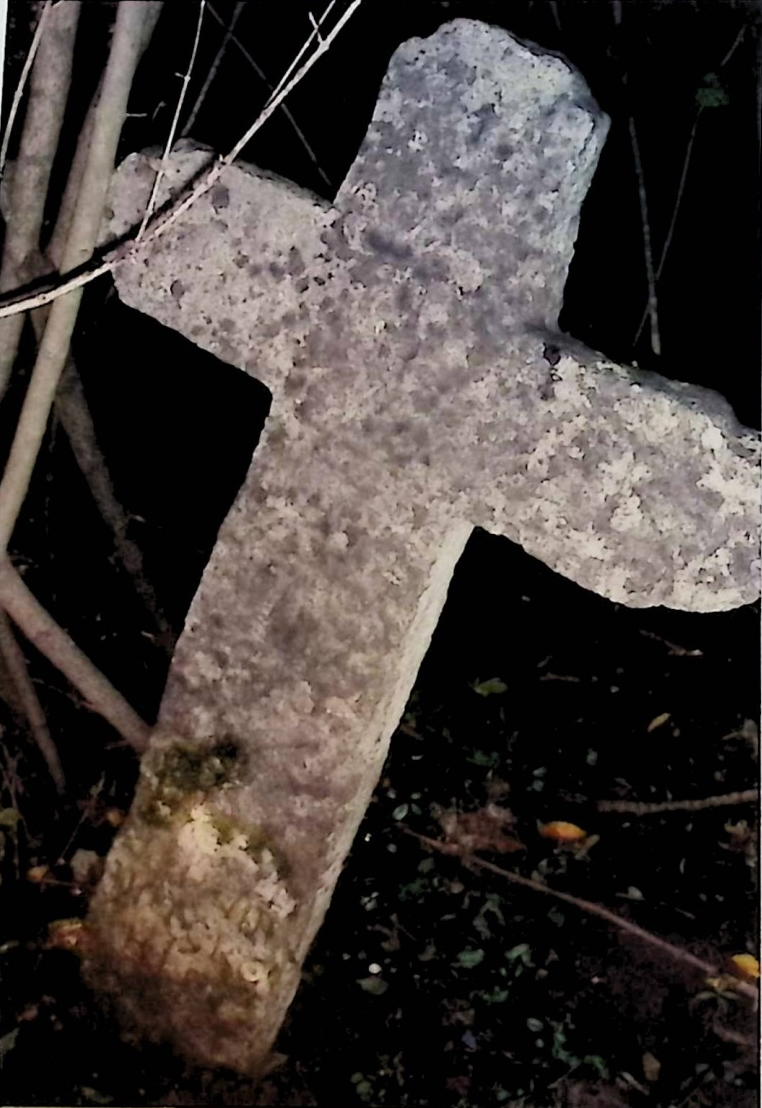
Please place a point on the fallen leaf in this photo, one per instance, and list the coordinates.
(493, 687)
(658, 721)
(374, 985)
(562, 832)
(651, 1066)
(67, 934)
(746, 966)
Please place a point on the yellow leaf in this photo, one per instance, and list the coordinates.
(562, 832)
(37, 874)
(67, 934)
(658, 721)
(651, 1066)
(746, 966)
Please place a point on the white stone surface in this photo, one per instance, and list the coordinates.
(401, 332)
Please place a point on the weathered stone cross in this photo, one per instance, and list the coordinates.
(405, 333)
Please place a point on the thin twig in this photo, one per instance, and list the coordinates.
(172, 130)
(653, 306)
(745, 796)
(681, 186)
(22, 84)
(39, 627)
(284, 107)
(57, 243)
(673, 648)
(162, 221)
(74, 413)
(15, 663)
(126, 45)
(214, 67)
(675, 952)
(28, 188)
(673, 220)
(3, 40)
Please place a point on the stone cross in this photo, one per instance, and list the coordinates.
(407, 335)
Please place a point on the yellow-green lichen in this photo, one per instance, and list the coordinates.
(198, 909)
(174, 776)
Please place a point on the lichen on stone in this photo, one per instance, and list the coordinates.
(199, 909)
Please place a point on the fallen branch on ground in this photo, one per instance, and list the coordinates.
(675, 952)
(745, 796)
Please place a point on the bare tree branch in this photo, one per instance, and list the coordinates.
(127, 43)
(39, 627)
(284, 107)
(15, 663)
(28, 62)
(162, 221)
(48, 93)
(173, 129)
(214, 67)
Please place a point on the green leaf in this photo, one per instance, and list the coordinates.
(9, 817)
(497, 996)
(489, 758)
(7, 1043)
(94, 1096)
(521, 950)
(400, 811)
(597, 1063)
(469, 958)
(374, 985)
(414, 890)
(711, 94)
(493, 687)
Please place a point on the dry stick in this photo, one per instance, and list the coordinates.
(68, 203)
(162, 221)
(284, 107)
(22, 83)
(57, 244)
(214, 67)
(50, 639)
(745, 796)
(15, 663)
(127, 43)
(51, 357)
(71, 403)
(3, 40)
(653, 307)
(681, 186)
(172, 130)
(73, 410)
(48, 92)
(675, 952)
(673, 221)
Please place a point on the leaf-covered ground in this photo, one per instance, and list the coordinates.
(434, 982)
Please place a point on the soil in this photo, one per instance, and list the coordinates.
(433, 982)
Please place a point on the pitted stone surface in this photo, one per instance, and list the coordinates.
(402, 331)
